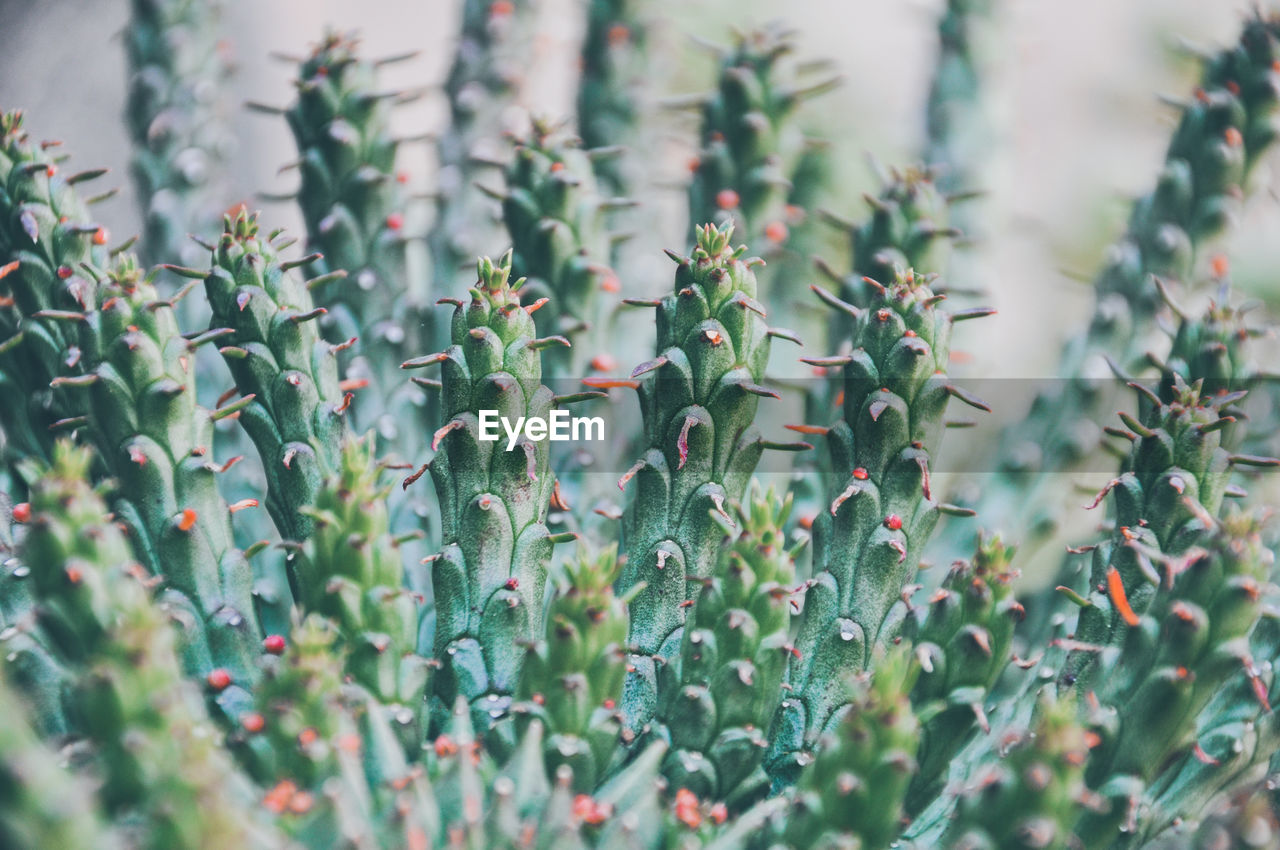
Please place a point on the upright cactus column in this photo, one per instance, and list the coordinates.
(555, 215)
(327, 752)
(698, 398)
(572, 679)
(964, 644)
(117, 363)
(354, 203)
(1028, 797)
(155, 746)
(1191, 638)
(177, 64)
(719, 695)
(1165, 501)
(868, 542)
(494, 46)
(43, 803)
(851, 795)
(352, 572)
(293, 405)
(610, 102)
(490, 575)
(139, 391)
(748, 146)
(46, 235)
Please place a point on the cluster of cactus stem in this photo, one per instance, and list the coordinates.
(709, 662)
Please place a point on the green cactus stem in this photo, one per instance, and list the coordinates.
(748, 146)
(490, 575)
(292, 403)
(43, 804)
(352, 572)
(718, 696)
(964, 644)
(1027, 797)
(852, 793)
(354, 203)
(610, 92)
(1222, 133)
(494, 47)
(698, 399)
(869, 541)
(157, 750)
(177, 65)
(555, 215)
(46, 234)
(572, 679)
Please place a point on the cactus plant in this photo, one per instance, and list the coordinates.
(177, 63)
(690, 673)
(698, 399)
(490, 575)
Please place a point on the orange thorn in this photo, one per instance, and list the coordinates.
(188, 519)
(1115, 586)
(238, 506)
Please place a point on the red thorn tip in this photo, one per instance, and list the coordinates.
(22, 512)
(893, 522)
(1221, 265)
(402, 177)
(253, 722)
(273, 644)
(1232, 137)
(100, 236)
(188, 520)
(776, 231)
(395, 221)
(512, 583)
(619, 34)
(860, 473)
(64, 272)
(557, 167)
(238, 506)
(219, 679)
(727, 199)
(74, 576)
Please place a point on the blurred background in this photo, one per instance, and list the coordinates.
(1078, 104)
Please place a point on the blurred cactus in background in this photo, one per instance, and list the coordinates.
(815, 646)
